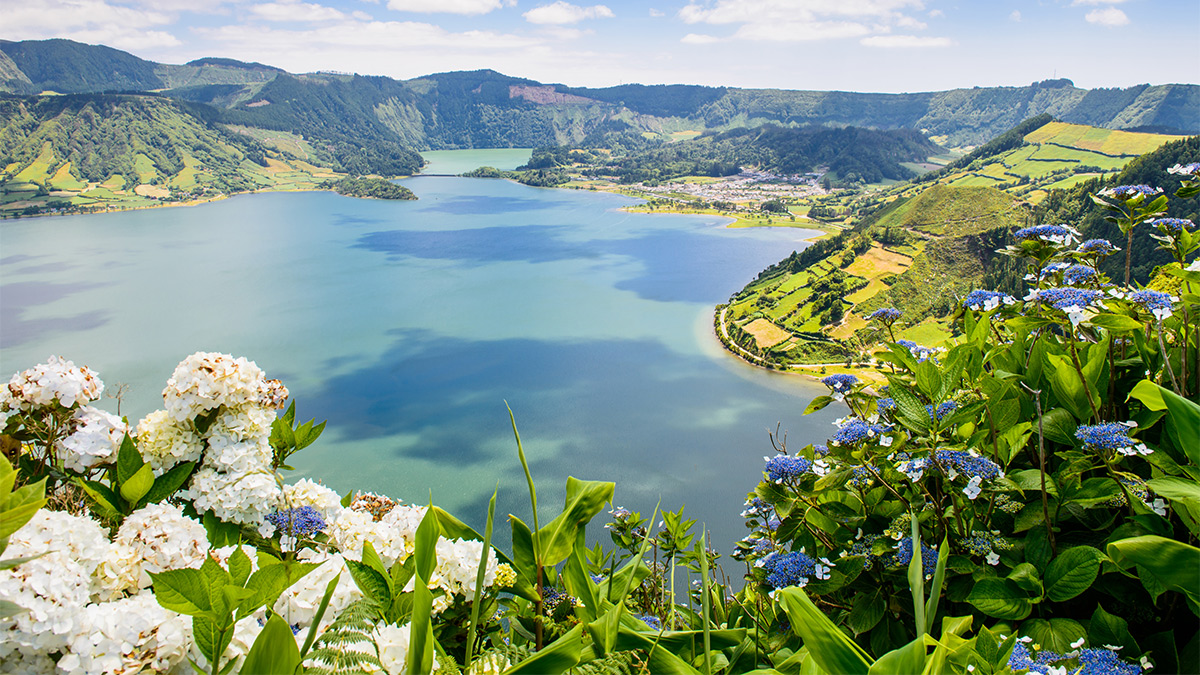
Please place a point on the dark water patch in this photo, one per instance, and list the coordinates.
(17, 299)
(526, 243)
(19, 258)
(474, 205)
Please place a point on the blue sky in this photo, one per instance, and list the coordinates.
(855, 45)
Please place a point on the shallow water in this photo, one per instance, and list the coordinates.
(408, 325)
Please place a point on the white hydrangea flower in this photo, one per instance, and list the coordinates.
(130, 635)
(207, 380)
(233, 497)
(393, 641)
(95, 441)
(238, 456)
(153, 539)
(306, 492)
(298, 604)
(250, 420)
(54, 588)
(352, 528)
(165, 443)
(458, 566)
(973, 487)
(492, 663)
(57, 380)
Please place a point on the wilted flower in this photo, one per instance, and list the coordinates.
(57, 380)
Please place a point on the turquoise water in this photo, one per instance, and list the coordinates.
(462, 161)
(408, 325)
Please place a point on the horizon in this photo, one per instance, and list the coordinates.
(867, 46)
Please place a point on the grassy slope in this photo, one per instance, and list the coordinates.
(96, 151)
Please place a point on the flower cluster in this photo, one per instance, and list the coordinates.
(96, 439)
(1072, 301)
(920, 352)
(886, 315)
(986, 545)
(904, 554)
(986, 301)
(56, 381)
(1156, 302)
(153, 539)
(788, 569)
(885, 405)
(864, 546)
(1040, 663)
(942, 410)
(967, 463)
(840, 384)
(1097, 247)
(302, 521)
(205, 381)
(1171, 225)
(854, 430)
(1111, 436)
(1080, 275)
(1105, 662)
(782, 468)
(1127, 193)
(1057, 234)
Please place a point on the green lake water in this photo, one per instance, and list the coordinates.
(408, 325)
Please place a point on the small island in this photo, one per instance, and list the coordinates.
(372, 188)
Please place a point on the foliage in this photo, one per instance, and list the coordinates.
(375, 188)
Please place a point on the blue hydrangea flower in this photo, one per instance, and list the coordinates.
(929, 556)
(1048, 271)
(968, 464)
(886, 315)
(757, 508)
(855, 430)
(650, 620)
(1130, 192)
(943, 409)
(885, 405)
(1071, 301)
(1078, 275)
(863, 477)
(788, 569)
(840, 384)
(1157, 303)
(1105, 662)
(1100, 247)
(1111, 436)
(920, 352)
(863, 547)
(786, 467)
(1057, 234)
(302, 521)
(1192, 170)
(1171, 225)
(986, 301)
(820, 450)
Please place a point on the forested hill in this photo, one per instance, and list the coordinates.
(488, 109)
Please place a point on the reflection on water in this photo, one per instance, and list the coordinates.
(409, 325)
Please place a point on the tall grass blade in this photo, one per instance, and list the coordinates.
(706, 606)
(479, 577)
(316, 622)
(916, 576)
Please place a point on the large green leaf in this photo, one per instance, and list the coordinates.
(1072, 572)
(274, 651)
(557, 657)
(1174, 563)
(1106, 629)
(374, 586)
(1183, 424)
(832, 649)
(1149, 394)
(1000, 598)
(912, 411)
(1176, 488)
(1056, 635)
(1066, 384)
(421, 637)
(136, 487)
(168, 483)
(1118, 323)
(906, 660)
(1059, 426)
(183, 591)
(584, 500)
(129, 460)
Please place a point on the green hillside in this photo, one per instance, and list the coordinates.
(99, 151)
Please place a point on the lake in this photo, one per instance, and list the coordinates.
(408, 325)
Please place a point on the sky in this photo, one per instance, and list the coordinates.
(850, 45)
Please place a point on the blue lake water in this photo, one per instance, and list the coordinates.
(408, 325)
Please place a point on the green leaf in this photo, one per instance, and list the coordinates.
(105, 501)
(138, 484)
(1072, 572)
(239, 566)
(584, 500)
(1037, 547)
(907, 660)
(1174, 563)
(372, 559)
(274, 651)
(129, 460)
(818, 403)
(1149, 394)
(9, 563)
(10, 609)
(168, 483)
(211, 638)
(557, 657)
(1064, 381)
(1183, 420)
(1058, 425)
(829, 646)
(271, 581)
(1055, 635)
(1026, 576)
(866, 611)
(316, 620)
(481, 574)
(1106, 629)
(929, 379)
(912, 411)
(183, 591)
(935, 587)
(1118, 323)
(1000, 598)
(1031, 479)
(428, 532)
(372, 584)
(916, 577)
(1176, 488)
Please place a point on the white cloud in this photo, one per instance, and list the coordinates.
(447, 6)
(1015, 16)
(296, 11)
(792, 21)
(1096, 2)
(935, 13)
(90, 21)
(696, 39)
(559, 13)
(905, 41)
(1110, 16)
(655, 12)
